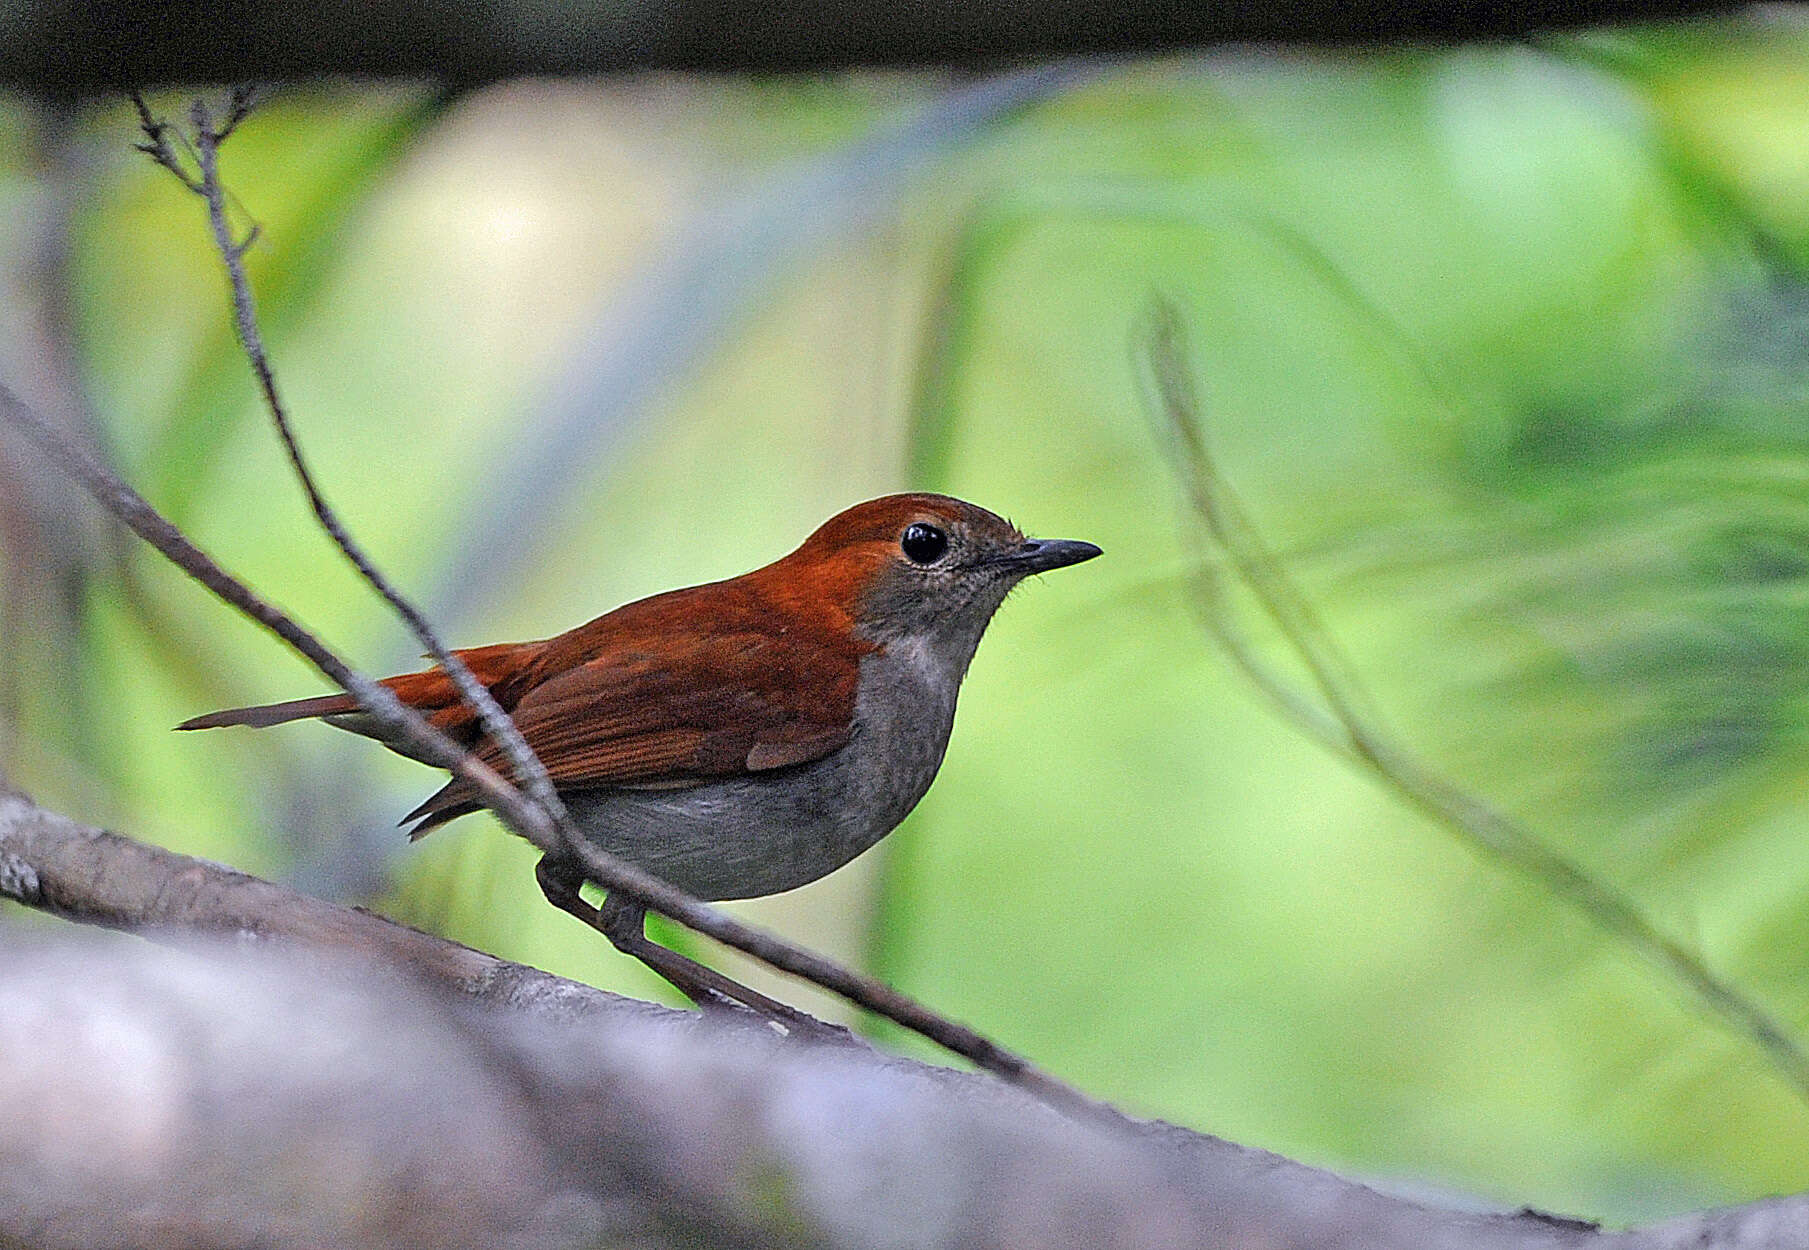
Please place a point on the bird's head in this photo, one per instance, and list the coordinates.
(927, 569)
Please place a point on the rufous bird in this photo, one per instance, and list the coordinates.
(746, 736)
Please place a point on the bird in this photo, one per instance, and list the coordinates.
(742, 737)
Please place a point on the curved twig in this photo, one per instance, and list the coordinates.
(1334, 719)
(207, 137)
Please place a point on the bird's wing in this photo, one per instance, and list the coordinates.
(719, 704)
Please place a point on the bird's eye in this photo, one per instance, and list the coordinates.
(924, 544)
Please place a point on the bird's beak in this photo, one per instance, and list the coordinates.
(1039, 555)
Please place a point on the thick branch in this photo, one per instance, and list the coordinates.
(118, 46)
(209, 1097)
(52, 863)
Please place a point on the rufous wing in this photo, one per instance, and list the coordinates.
(705, 706)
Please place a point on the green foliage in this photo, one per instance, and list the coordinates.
(1504, 349)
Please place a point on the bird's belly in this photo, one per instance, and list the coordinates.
(754, 835)
(766, 832)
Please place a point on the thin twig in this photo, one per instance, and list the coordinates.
(207, 138)
(1339, 725)
(238, 108)
(156, 144)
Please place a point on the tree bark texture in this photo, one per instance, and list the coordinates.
(290, 1073)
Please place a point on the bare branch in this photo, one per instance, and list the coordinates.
(207, 138)
(105, 45)
(262, 1096)
(1341, 725)
(560, 1089)
(238, 108)
(50, 862)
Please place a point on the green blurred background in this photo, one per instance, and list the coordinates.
(1506, 349)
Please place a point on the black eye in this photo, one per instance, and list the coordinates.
(924, 544)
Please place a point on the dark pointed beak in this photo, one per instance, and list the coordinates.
(1039, 555)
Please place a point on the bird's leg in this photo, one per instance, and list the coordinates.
(561, 881)
(623, 919)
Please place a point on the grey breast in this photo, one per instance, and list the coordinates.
(769, 832)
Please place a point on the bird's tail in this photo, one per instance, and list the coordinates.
(430, 692)
(266, 714)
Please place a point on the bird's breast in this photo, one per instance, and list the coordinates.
(903, 713)
(767, 832)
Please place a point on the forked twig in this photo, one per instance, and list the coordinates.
(1333, 717)
(156, 144)
(206, 138)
